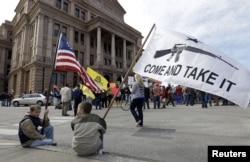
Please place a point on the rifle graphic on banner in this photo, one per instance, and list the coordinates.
(179, 48)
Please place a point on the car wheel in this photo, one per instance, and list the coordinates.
(16, 103)
(40, 103)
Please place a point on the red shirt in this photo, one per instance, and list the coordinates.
(178, 90)
(157, 91)
(163, 93)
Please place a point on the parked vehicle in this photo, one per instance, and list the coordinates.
(30, 99)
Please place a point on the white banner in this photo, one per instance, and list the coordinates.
(172, 57)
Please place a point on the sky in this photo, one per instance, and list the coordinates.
(222, 24)
(7, 10)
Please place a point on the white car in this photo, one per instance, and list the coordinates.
(30, 99)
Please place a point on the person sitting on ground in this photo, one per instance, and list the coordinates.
(88, 131)
(29, 134)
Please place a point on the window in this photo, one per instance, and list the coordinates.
(54, 78)
(105, 47)
(82, 39)
(118, 64)
(129, 55)
(76, 37)
(92, 40)
(82, 58)
(92, 16)
(8, 69)
(92, 59)
(58, 4)
(109, 48)
(62, 79)
(65, 7)
(77, 12)
(64, 31)
(108, 9)
(76, 54)
(56, 29)
(83, 15)
(9, 33)
(9, 52)
(98, 2)
(118, 52)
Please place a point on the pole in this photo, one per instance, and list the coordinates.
(130, 68)
(51, 76)
(50, 84)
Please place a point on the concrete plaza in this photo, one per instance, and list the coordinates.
(174, 134)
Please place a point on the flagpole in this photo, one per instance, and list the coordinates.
(52, 71)
(130, 68)
(50, 83)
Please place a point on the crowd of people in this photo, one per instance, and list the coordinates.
(68, 98)
(88, 129)
(6, 98)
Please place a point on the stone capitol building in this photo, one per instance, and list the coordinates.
(95, 30)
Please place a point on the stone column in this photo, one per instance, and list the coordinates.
(134, 51)
(39, 38)
(124, 54)
(113, 50)
(14, 54)
(99, 45)
(49, 40)
(87, 54)
(71, 36)
(25, 46)
(34, 38)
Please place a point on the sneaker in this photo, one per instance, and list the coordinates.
(100, 152)
(138, 124)
(54, 144)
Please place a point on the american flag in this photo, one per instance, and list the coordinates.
(66, 60)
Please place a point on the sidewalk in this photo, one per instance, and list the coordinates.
(173, 134)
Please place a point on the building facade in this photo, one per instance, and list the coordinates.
(5, 55)
(94, 28)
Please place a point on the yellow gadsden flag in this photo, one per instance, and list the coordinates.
(98, 78)
(86, 91)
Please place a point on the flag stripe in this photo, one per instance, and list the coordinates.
(66, 60)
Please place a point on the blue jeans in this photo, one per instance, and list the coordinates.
(157, 102)
(49, 137)
(101, 146)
